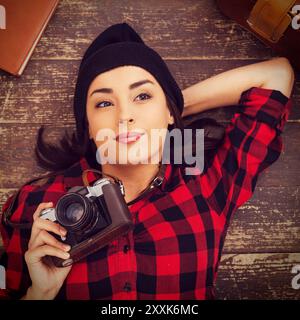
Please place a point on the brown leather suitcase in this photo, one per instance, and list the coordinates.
(275, 22)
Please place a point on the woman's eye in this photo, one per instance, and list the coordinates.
(143, 95)
(99, 105)
(103, 104)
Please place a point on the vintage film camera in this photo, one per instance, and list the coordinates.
(93, 216)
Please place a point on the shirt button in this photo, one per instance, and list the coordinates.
(127, 287)
(126, 248)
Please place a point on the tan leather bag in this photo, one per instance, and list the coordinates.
(275, 22)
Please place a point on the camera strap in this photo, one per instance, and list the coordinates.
(157, 181)
(86, 182)
(7, 213)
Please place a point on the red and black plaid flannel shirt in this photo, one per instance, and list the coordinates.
(174, 250)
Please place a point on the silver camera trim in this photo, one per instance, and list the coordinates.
(48, 214)
(96, 189)
(93, 191)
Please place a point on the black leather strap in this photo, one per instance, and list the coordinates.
(157, 181)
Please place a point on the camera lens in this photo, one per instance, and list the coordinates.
(75, 212)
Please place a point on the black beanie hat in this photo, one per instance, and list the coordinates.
(119, 45)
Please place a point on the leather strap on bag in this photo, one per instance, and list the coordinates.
(271, 18)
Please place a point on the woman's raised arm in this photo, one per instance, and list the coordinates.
(225, 89)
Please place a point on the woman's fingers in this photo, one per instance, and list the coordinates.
(42, 224)
(44, 237)
(40, 207)
(35, 255)
(41, 242)
(50, 226)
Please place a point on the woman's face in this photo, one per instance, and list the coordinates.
(114, 99)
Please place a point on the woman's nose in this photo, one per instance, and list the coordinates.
(128, 120)
(125, 113)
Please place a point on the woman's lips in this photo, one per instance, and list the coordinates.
(128, 137)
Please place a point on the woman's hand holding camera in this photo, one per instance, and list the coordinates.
(46, 278)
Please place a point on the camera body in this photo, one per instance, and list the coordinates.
(93, 216)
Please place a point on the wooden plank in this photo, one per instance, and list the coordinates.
(45, 93)
(43, 96)
(4, 194)
(176, 29)
(257, 276)
(268, 222)
(18, 159)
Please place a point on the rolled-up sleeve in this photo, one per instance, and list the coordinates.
(252, 143)
(15, 244)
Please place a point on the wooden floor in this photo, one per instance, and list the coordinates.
(196, 41)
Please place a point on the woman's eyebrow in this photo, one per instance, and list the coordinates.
(132, 86)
